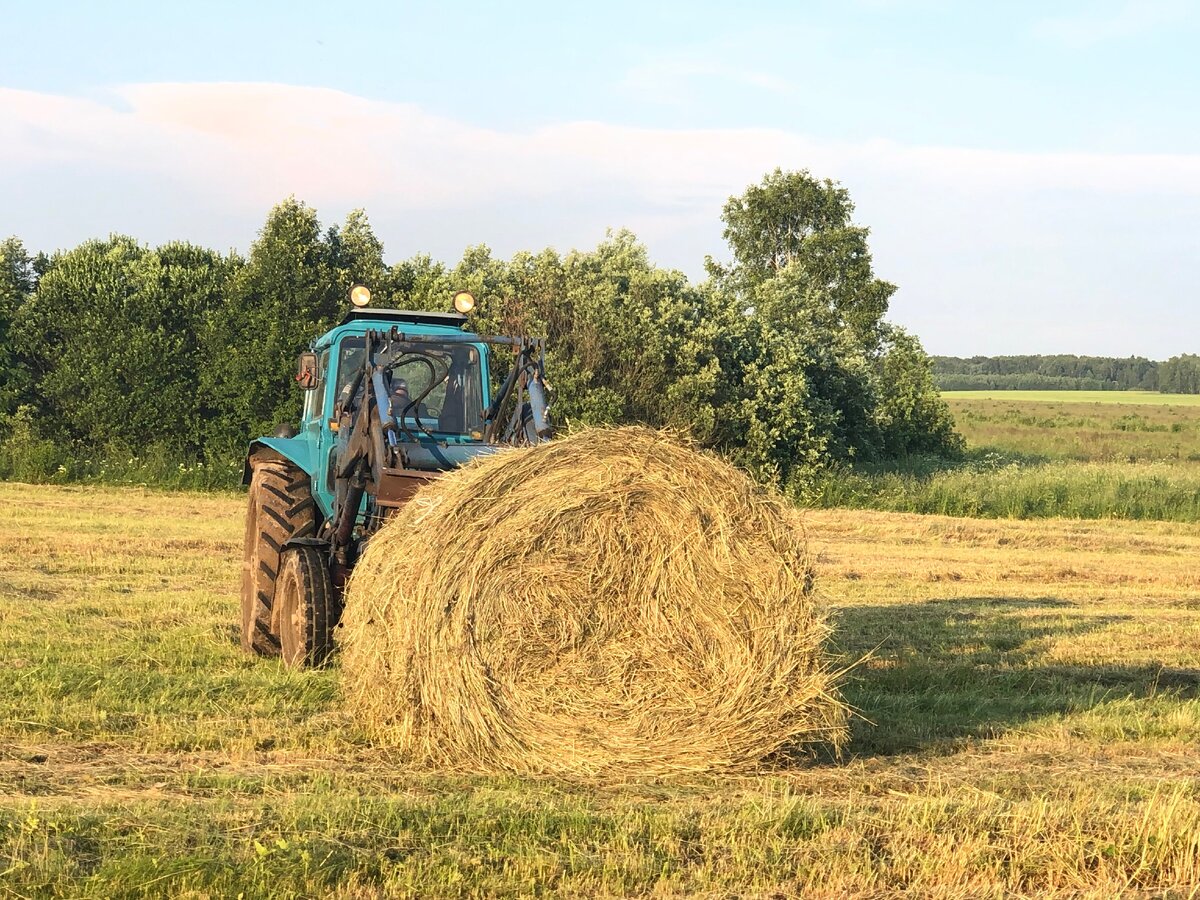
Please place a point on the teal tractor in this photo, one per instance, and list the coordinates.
(392, 399)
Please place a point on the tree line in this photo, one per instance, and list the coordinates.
(1178, 375)
(781, 359)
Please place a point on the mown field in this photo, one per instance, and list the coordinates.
(1028, 698)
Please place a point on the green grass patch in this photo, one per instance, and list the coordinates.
(27, 456)
(1021, 491)
(1038, 454)
(1089, 432)
(1147, 398)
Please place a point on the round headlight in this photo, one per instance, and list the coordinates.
(360, 295)
(464, 302)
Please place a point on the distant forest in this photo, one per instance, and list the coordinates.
(1178, 375)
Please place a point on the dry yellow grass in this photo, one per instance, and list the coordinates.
(1029, 724)
(606, 605)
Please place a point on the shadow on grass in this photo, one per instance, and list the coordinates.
(943, 671)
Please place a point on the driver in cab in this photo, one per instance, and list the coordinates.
(402, 405)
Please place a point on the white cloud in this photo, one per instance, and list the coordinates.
(971, 235)
(253, 143)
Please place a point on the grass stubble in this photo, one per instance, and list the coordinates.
(1027, 723)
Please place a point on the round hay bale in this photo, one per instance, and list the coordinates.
(611, 603)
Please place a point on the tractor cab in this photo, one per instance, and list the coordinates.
(433, 393)
(392, 399)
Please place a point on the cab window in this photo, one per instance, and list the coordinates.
(438, 387)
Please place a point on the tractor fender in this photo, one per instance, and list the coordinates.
(294, 450)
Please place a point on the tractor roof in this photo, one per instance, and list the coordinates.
(407, 316)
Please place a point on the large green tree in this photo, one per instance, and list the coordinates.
(792, 219)
(293, 285)
(112, 341)
(627, 341)
(811, 371)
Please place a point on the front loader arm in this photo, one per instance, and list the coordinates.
(367, 435)
(529, 421)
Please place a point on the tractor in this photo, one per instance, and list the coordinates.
(392, 399)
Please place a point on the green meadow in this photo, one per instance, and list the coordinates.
(1138, 398)
(1037, 454)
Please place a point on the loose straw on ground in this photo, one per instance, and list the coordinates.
(605, 605)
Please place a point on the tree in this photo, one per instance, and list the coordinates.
(626, 341)
(811, 372)
(768, 226)
(17, 281)
(112, 338)
(633, 332)
(356, 254)
(793, 219)
(911, 414)
(1180, 374)
(416, 283)
(292, 287)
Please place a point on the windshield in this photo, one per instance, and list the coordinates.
(435, 386)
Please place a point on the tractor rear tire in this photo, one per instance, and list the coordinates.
(281, 507)
(308, 608)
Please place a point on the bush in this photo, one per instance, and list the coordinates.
(29, 456)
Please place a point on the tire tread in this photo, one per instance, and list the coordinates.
(280, 507)
(304, 571)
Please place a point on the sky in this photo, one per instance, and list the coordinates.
(1030, 172)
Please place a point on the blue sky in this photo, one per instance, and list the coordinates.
(1030, 171)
